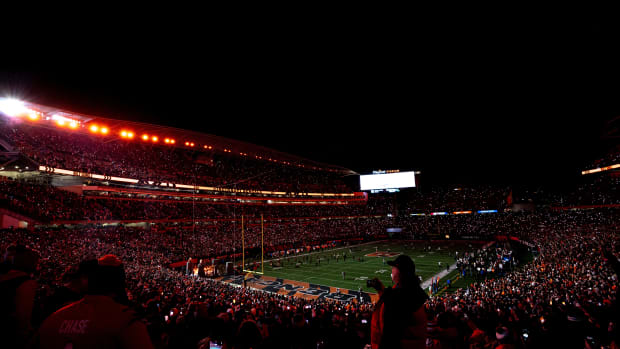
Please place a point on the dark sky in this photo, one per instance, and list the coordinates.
(523, 103)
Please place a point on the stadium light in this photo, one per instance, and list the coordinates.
(33, 115)
(172, 141)
(145, 137)
(94, 128)
(126, 134)
(167, 140)
(12, 107)
(104, 130)
(73, 124)
(154, 139)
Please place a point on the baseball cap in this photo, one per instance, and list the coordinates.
(110, 260)
(107, 276)
(404, 263)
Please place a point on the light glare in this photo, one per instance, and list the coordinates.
(12, 107)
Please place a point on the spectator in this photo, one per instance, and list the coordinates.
(98, 320)
(75, 286)
(17, 294)
(399, 320)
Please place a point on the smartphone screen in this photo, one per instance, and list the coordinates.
(213, 345)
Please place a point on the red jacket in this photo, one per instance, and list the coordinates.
(399, 320)
(94, 322)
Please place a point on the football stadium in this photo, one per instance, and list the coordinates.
(342, 182)
(200, 241)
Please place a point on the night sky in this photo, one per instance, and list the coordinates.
(519, 104)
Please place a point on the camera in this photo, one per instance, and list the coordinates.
(374, 283)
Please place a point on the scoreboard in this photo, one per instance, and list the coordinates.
(387, 180)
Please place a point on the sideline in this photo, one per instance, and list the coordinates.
(443, 273)
(439, 275)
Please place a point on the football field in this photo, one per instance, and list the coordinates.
(364, 262)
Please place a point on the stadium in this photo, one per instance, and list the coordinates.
(228, 244)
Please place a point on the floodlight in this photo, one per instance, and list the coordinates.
(12, 107)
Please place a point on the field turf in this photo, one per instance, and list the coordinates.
(304, 267)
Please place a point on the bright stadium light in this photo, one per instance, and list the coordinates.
(73, 124)
(94, 128)
(145, 137)
(124, 134)
(12, 107)
(130, 135)
(33, 115)
(154, 138)
(104, 130)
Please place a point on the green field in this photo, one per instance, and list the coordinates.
(303, 267)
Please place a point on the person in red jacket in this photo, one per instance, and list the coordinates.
(17, 293)
(399, 319)
(97, 320)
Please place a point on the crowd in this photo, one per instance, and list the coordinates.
(58, 148)
(179, 309)
(565, 298)
(498, 260)
(442, 198)
(568, 286)
(47, 203)
(601, 190)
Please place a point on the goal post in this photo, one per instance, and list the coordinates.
(262, 249)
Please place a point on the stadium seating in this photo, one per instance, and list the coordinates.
(569, 285)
